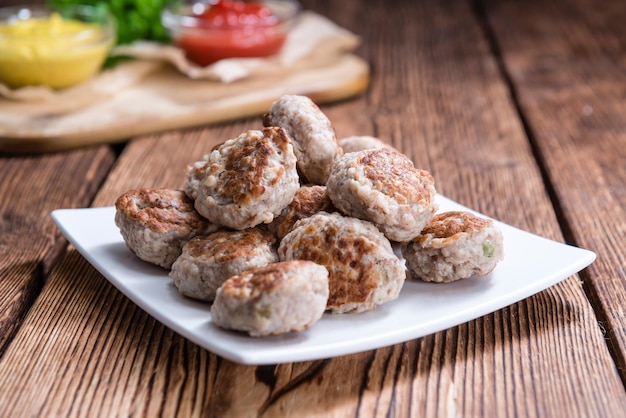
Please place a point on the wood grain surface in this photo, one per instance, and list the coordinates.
(30, 244)
(498, 101)
(572, 93)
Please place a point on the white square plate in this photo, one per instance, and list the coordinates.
(531, 264)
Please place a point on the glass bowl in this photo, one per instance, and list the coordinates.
(211, 31)
(57, 47)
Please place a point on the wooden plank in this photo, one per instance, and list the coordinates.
(437, 95)
(566, 62)
(32, 187)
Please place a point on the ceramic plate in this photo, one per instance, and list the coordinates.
(531, 264)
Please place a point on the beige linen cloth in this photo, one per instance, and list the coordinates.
(313, 39)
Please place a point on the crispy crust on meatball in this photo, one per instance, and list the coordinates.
(271, 300)
(156, 223)
(312, 134)
(364, 271)
(208, 260)
(308, 201)
(383, 186)
(247, 180)
(454, 245)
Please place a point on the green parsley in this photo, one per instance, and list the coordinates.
(136, 19)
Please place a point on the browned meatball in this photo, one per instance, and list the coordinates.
(314, 141)
(156, 223)
(208, 260)
(271, 300)
(363, 270)
(454, 245)
(382, 186)
(307, 202)
(247, 180)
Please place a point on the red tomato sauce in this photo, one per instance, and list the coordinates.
(233, 29)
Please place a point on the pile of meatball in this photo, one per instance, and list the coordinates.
(282, 224)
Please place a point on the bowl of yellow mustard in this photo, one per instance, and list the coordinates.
(57, 48)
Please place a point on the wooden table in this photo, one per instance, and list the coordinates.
(518, 109)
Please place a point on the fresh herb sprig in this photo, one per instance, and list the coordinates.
(136, 19)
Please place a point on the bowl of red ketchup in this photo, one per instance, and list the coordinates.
(209, 31)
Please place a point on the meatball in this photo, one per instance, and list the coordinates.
(196, 173)
(363, 270)
(308, 201)
(454, 245)
(312, 134)
(382, 186)
(275, 299)
(361, 143)
(208, 260)
(156, 223)
(246, 181)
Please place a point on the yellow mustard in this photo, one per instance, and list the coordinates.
(51, 51)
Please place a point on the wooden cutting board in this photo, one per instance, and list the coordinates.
(165, 100)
